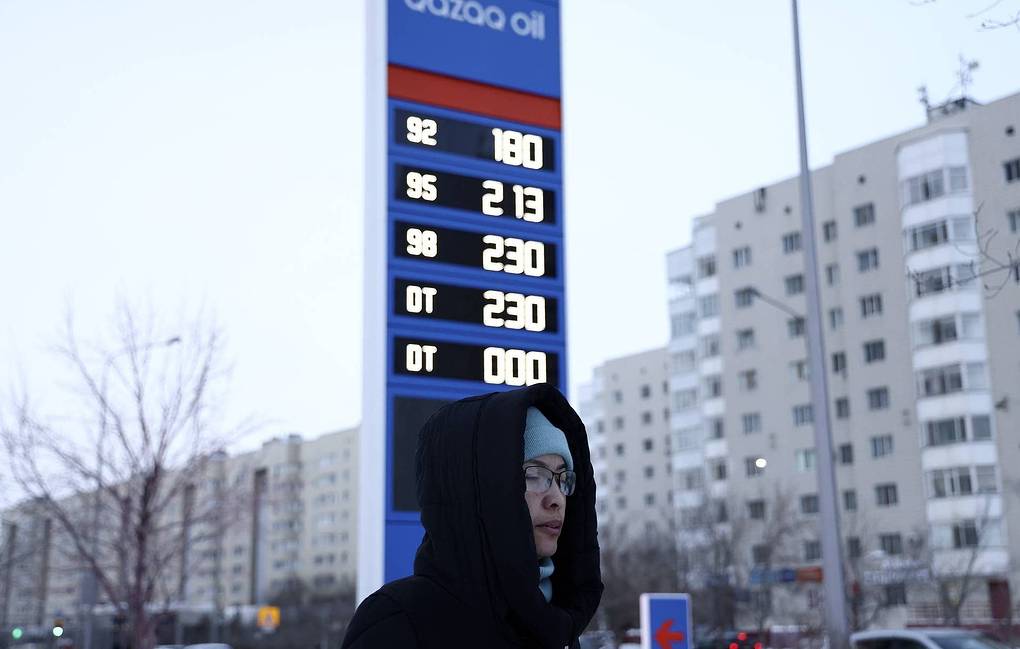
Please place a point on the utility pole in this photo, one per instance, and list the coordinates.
(836, 621)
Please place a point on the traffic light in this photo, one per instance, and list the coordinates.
(58, 628)
(17, 632)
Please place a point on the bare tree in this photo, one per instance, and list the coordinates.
(128, 472)
(990, 14)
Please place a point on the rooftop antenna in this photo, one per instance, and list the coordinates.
(965, 75)
(922, 96)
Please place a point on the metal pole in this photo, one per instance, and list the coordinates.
(836, 625)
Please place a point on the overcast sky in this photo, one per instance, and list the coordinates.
(209, 153)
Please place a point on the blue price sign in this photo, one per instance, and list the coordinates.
(464, 231)
(666, 621)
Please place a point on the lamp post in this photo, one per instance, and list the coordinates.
(834, 583)
(90, 580)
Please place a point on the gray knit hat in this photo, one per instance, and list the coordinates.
(541, 437)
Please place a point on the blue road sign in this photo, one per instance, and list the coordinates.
(666, 621)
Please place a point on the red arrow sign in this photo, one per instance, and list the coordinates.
(665, 636)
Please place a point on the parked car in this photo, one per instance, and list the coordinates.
(924, 639)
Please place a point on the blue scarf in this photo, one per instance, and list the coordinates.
(545, 570)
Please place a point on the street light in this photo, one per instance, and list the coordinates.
(90, 580)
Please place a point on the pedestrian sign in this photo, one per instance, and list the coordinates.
(268, 618)
(666, 621)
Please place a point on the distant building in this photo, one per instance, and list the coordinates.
(298, 524)
(625, 408)
(922, 344)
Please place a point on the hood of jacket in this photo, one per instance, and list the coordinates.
(479, 541)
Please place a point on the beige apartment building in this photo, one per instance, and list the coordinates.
(290, 517)
(625, 408)
(915, 235)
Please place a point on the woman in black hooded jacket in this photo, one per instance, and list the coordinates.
(476, 574)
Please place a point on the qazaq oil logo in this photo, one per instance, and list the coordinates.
(523, 23)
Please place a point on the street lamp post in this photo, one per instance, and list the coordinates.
(836, 622)
(90, 580)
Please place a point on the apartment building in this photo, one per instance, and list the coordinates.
(921, 327)
(288, 515)
(625, 408)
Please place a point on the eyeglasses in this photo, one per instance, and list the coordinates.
(538, 479)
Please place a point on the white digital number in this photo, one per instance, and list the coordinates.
(520, 311)
(529, 202)
(514, 367)
(422, 130)
(492, 198)
(421, 186)
(420, 299)
(517, 149)
(513, 255)
(420, 357)
(424, 243)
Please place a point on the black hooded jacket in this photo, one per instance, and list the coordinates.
(475, 580)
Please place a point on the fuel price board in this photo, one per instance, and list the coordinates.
(464, 234)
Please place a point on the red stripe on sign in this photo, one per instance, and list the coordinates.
(469, 96)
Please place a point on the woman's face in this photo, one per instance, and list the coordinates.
(547, 509)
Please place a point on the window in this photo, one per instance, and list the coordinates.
(802, 415)
(864, 214)
(1014, 220)
(881, 445)
(682, 324)
(842, 408)
(709, 305)
(933, 281)
(871, 305)
(885, 495)
(985, 477)
(618, 423)
(760, 554)
(619, 449)
(706, 267)
(809, 504)
(716, 429)
(647, 444)
(742, 257)
(748, 380)
(649, 499)
(791, 242)
(832, 274)
(617, 396)
(949, 483)
(812, 550)
(646, 417)
(794, 284)
(835, 318)
(940, 380)
(853, 547)
(795, 327)
(936, 331)
(874, 350)
(839, 363)
(694, 479)
(756, 510)
(751, 422)
(829, 231)
(684, 399)
(867, 260)
(744, 297)
(717, 469)
(799, 370)
(1012, 169)
(980, 427)
(850, 500)
(751, 467)
(745, 338)
(710, 346)
(806, 459)
(646, 391)
(684, 361)
(713, 386)
(878, 398)
(895, 594)
(925, 187)
(621, 502)
(649, 471)
(928, 235)
(940, 432)
(891, 544)
(846, 453)
(965, 534)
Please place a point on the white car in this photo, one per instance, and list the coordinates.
(948, 638)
